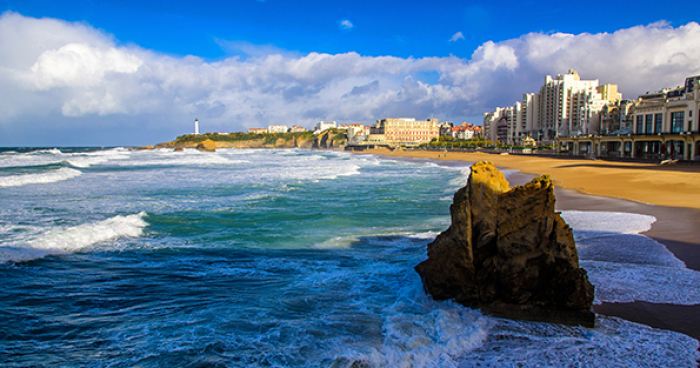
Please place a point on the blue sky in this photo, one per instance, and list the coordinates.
(95, 72)
(396, 28)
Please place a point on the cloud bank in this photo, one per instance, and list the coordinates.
(75, 76)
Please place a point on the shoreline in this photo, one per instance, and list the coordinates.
(668, 185)
(676, 227)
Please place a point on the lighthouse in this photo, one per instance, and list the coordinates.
(196, 126)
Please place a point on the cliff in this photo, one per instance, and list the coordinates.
(327, 139)
(509, 253)
(323, 140)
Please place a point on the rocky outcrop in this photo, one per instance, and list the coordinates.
(327, 140)
(509, 253)
(143, 148)
(207, 146)
(173, 144)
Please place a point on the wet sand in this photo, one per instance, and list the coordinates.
(678, 229)
(669, 193)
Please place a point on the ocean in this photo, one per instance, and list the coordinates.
(283, 258)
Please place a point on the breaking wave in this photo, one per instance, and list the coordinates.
(41, 178)
(65, 240)
(626, 266)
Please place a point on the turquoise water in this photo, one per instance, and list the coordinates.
(261, 258)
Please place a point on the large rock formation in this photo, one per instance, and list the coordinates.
(326, 140)
(508, 253)
(207, 146)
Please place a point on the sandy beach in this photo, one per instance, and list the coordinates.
(669, 193)
(661, 185)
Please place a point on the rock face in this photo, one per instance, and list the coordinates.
(207, 146)
(508, 253)
(326, 140)
(143, 148)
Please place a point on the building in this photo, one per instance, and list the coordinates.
(530, 116)
(323, 125)
(277, 129)
(196, 126)
(408, 131)
(257, 130)
(446, 128)
(659, 125)
(569, 106)
(355, 133)
(478, 132)
(500, 125)
(565, 106)
(491, 120)
(617, 117)
(461, 132)
(297, 129)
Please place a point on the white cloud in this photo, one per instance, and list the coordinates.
(247, 49)
(456, 37)
(345, 25)
(80, 66)
(75, 71)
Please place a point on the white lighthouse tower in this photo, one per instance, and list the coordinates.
(196, 126)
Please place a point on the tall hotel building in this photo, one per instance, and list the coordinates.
(565, 106)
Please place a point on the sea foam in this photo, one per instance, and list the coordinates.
(613, 343)
(625, 266)
(52, 176)
(64, 240)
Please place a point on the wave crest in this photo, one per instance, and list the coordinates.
(73, 239)
(42, 178)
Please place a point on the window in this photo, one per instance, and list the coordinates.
(639, 124)
(648, 122)
(677, 120)
(658, 122)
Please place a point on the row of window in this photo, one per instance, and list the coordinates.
(652, 123)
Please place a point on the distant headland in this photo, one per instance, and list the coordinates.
(329, 138)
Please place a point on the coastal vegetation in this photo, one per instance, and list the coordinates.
(334, 134)
(240, 136)
(329, 138)
(445, 141)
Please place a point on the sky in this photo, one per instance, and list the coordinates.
(132, 73)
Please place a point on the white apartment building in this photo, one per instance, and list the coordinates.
(491, 120)
(323, 125)
(569, 106)
(565, 106)
(504, 124)
(277, 129)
